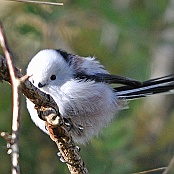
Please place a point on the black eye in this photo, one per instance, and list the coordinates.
(53, 77)
(33, 81)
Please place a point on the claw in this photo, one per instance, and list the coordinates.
(78, 148)
(59, 154)
(80, 128)
(61, 158)
(68, 123)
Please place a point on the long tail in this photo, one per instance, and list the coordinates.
(154, 86)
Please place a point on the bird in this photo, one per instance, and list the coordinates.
(84, 92)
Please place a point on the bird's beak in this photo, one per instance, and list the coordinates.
(40, 85)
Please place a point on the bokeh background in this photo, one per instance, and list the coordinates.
(129, 37)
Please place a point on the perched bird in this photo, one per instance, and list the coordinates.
(81, 88)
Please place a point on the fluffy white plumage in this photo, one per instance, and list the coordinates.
(80, 87)
(89, 104)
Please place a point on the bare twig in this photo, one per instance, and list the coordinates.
(16, 102)
(152, 170)
(8, 138)
(170, 167)
(38, 2)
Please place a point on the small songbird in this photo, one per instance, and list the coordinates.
(81, 88)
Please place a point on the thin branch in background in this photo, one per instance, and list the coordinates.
(39, 2)
(170, 167)
(16, 104)
(152, 170)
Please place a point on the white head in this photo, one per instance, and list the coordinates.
(49, 67)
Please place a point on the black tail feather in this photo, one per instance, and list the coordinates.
(149, 87)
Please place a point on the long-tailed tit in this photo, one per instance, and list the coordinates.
(81, 88)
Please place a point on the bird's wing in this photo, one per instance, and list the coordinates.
(108, 78)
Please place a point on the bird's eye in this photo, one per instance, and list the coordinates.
(33, 81)
(53, 77)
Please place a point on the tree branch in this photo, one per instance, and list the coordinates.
(48, 108)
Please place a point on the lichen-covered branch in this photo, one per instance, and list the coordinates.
(70, 151)
(45, 104)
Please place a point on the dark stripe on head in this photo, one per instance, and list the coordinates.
(65, 55)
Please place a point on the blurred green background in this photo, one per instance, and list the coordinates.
(133, 38)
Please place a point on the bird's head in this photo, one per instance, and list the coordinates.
(49, 68)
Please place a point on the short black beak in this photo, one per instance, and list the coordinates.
(40, 85)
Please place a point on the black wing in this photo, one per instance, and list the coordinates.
(108, 78)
